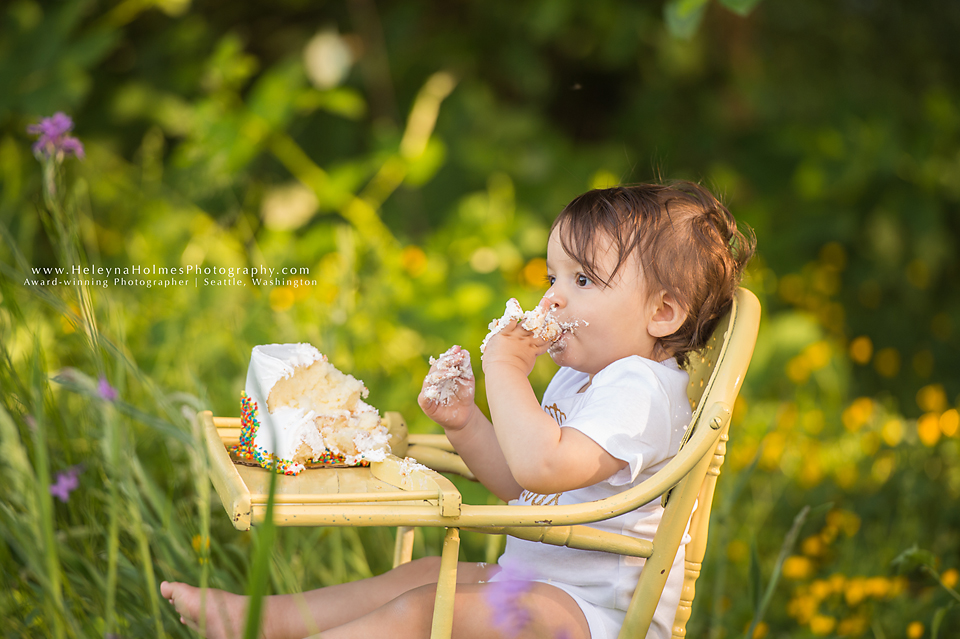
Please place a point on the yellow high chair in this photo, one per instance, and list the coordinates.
(399, 492)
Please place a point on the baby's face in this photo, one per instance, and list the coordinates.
(613, 319)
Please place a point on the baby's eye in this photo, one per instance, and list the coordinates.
(550, 279)
(583, 280)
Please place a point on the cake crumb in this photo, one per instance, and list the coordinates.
(408, 465)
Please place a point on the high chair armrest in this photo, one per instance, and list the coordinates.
(702, 442)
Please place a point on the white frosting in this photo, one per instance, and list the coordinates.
(450, 371)
(409, 464)
(270, 363)
(542, 323)
(372, 445)
(511, 314)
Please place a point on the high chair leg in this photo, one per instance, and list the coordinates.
(403, 548)
(446, 586)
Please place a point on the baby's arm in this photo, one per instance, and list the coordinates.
(473, 437)
(543, 457)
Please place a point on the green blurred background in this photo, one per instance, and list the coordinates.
(410, 156)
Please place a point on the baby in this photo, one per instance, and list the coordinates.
(639, 275)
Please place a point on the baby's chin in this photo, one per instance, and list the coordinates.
(558, 350)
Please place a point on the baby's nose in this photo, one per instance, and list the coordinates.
(551, 300)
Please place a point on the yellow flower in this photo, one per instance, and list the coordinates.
(853, 626)
(892, 432)
(855, 591)
(857, 414)
(820, 589)
(822, 624)
(798, 370)
(887, 362)
(812, 546)
(932, 398)
(915, 630)
(201, 546)
(797, 567)
(877, 587)
(200, 542)
(773, 445)
(950, 422)
(837, 582)
(950, 578)
(817, 355)
(811, 471)
(802, 608)
(414, 260)
(761, 630)
(897, 586)
(281, 298)
(845, 520)
(861, 349)
(928, 428)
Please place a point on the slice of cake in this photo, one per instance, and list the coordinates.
(298, 409)
(451, 372)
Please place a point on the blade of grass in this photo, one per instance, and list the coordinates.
(260, 571)
(54, 601)
(111, 446)
(146, 560)
(785, 549)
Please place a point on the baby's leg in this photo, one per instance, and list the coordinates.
(540, 612)
(299, 615)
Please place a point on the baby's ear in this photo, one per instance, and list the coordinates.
(668, 316)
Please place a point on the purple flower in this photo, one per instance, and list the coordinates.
(106, 391)
(503, 598)
(66, 483)
(53, 140)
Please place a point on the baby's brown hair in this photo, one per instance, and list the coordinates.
(686, 242)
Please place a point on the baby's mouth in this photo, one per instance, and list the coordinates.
(568, 330)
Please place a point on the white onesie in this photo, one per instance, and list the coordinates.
(637, 410)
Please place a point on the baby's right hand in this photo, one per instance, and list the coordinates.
(452, 410)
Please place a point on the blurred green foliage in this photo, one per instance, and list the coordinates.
(410, 156)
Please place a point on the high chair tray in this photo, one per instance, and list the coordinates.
(384, 493)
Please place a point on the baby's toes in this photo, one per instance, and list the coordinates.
(185, 599)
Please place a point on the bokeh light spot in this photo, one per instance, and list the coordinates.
(861, 349)
(932, 398)
(534, 273)
(928, 429)
(281, 298)
(950, 422)
(414, 260)
(887, 362)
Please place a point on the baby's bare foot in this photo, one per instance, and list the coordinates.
(223, 613)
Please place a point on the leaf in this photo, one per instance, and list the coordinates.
(740, 7)
(682, 17)
(914, 558)
(938, 619)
